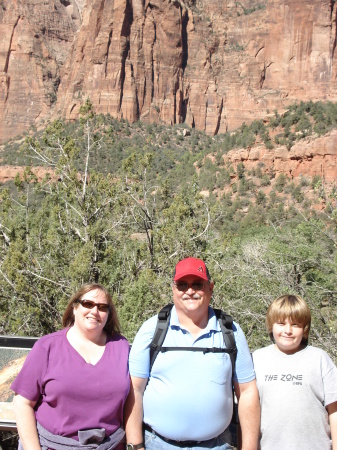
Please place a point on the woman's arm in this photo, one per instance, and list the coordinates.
(26, 422)
(332, 411)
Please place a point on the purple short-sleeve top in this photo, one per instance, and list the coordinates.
(71, 394)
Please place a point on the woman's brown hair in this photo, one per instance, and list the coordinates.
(112, 325)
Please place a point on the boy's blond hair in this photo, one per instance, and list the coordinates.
(291, 307)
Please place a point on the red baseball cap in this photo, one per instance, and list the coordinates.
(191, 266)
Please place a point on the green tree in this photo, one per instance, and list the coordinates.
(58, 231)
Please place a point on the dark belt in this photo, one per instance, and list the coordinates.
(172, 441)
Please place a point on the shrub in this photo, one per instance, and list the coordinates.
(281, 181)
(265, 180)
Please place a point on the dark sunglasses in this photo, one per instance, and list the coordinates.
(196, 286)
(103, 307)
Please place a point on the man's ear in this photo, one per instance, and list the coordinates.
(211, 286)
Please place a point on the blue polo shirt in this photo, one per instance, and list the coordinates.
(189, 394)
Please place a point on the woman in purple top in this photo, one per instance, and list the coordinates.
(73, 385)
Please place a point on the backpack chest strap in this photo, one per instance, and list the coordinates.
(197, 349)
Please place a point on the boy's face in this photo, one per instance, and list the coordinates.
(288, 336)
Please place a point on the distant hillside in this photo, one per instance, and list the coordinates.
(293, 154)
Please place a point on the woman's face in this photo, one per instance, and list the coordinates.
(91, 320)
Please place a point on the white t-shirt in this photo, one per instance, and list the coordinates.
(294, 392)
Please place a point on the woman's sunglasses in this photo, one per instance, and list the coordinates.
(103, 307)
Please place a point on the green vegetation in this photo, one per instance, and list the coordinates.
(121, 204)
(119, 139)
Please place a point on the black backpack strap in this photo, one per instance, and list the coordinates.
(204, 350)
(160, 332)
(226, 325)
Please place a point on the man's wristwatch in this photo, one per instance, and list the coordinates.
(135, 447)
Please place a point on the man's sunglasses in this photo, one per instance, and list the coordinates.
(103, 307)
(183, 287)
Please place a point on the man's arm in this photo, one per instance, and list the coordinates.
(332, 411)
(249, 413)
(134, 411)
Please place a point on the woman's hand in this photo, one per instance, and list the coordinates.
(26, 422)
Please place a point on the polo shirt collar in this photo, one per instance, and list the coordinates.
(213, 324)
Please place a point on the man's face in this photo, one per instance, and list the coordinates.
(192, 294)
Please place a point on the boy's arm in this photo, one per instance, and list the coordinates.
(332, 411)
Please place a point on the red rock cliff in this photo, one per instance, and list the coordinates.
(35, 40)
(210, 63)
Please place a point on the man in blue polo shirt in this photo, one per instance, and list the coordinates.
(186, 401)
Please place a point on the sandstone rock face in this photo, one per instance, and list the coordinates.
(35, 40)
(212, 64)
(311, 157)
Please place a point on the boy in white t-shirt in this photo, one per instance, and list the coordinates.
(297, 383)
